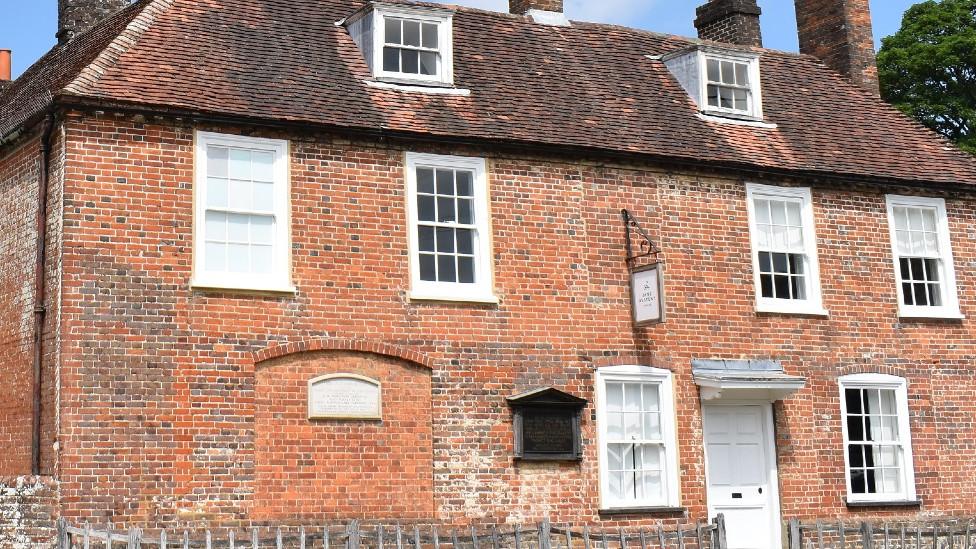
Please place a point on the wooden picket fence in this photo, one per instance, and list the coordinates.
(867, 535)
(355, 535)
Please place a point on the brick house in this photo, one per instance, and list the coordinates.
(303, 260)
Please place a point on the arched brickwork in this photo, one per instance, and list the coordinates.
(341, 344)
(339, 469)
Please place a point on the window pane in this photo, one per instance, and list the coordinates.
(853, 398)
(237, 228)
(901, 218)
(445, 240)
(428, 63)
(652, 425)
(781, 285)
(651, 487)
(425, 208)
(742, 74)
(928, 220)
(262, 230)
(741, 100)
(855, 428)
(391, 59)
(217, 193)
(632, 397)
(216, 256)
(780, 263)
(728, 75)
(465, 241)
(425, 180)
(906, 271)
(465, 214)
(240, 164)
(615, 397)
(263, 196)
(765, 262)
(762, 211)
(445, 209)
(855, 455)
(466, 270)
(261, 259)
(712, 95)
(465, 183)
(713, 71)
(725, 98)
(262, 166)
(411, 61)
(426, 238)
(430, 35)
(411, 33)
(240, 195)
(445, 182)
(428, 267)
(216, 226)
(446, 271)
(651, 401)
(766, 284)
(238, 258)
(858, 486)
(217, 161)
(393, 35)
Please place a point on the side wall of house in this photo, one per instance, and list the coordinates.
(19, 179)
(165, 419)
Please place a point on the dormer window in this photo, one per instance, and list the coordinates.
(722, 82)
(405, 44)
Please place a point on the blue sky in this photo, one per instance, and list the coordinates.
(29, 25)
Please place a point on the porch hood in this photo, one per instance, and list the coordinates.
(744, 380)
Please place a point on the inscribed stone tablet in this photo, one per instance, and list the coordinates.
(344, 396)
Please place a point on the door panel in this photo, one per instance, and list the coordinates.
(738, 474)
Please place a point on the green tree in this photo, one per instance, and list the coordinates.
(928, 68)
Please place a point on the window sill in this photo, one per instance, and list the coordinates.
(433, 296)
(649, 510)
(727, 118)
(778, 310)
(216, 287)
(418, 86)
(883, 503)
(933, 315)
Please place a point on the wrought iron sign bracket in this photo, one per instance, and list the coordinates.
(646, 246)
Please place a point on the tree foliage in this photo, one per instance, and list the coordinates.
(928, 68)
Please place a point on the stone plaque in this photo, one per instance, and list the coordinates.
(647, 295)
(344, 396)
(548, 431)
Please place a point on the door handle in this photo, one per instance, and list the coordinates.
(760, 490)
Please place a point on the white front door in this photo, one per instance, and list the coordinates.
(741, 473)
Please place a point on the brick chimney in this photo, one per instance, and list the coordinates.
(77, 16)
(839, 33)
(520, 7)
(730, 21)
(5, 72)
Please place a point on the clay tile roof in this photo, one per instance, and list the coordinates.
(585, 87)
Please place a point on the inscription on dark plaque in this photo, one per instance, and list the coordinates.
(547, 425)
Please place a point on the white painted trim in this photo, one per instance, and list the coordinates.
(551, 18)
(900, 387)
(670, 478)
(772, 465)
(482, 291)
(418, 88)
(950, 295)
(736, 121)
(445, 40)
(813, 305)
(279, 281)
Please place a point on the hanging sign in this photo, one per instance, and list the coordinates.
(647, 294)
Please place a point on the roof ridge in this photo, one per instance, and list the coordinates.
(90, 75)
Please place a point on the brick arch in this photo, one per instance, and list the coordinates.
(309, 345)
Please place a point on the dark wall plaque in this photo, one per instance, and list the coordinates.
(547, 425)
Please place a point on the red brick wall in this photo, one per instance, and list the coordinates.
(341, 469)
(838, 32)
(28, 512)
(19, 173)
(162, 404)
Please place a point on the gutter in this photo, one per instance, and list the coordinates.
(40, 311)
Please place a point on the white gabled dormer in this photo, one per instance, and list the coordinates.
(405, 44)
(723, 82)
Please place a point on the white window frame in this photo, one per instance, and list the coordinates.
(755, 111)
(445, 42)
(900, 387)
(482, 291)
(950, 297)
(279, 280)
(813, 305)
(645, 374)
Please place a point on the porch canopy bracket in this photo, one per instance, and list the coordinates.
(744, 379)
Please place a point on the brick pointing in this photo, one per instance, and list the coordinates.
(28, 512)
(730, 21)
(340, 469)
(838, 32)
(164, 411)
(18, 206)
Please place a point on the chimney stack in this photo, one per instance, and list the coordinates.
(838, 32)
(5, 72)
(521, 7)
(730, 21)
(77, 16)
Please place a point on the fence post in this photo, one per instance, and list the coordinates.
(867, 535)
(795, 534)
(545, 531)
(353, 531)
(720, 535)
(63, 541)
